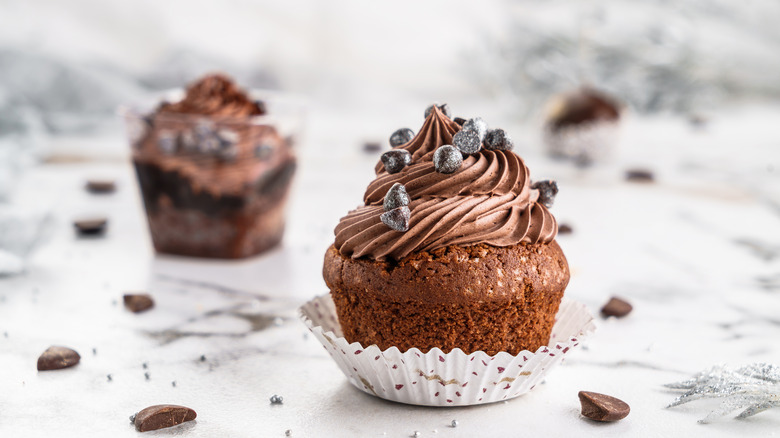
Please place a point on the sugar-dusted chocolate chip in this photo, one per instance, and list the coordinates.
(277, 399)
(459, 120)
(478, 125)
(600, 407)
(162, 416)
(91, 226)
(396, 160)
(565, 229)
(443, 108)
(616, 307)
(137, 303)
(397, 219)
(447, 159)
(101, 185)
(498, 140)
(467, 141)
(640, 175)
(401, 136)
(396, 197)
(57, 358)
(547, 191)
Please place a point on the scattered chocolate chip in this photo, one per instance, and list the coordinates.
(397, 219)
(173, 383)
(277, 399)
(91, 226)
(147, 376)
(639, 175)
(616, 307)
(478, 125)
(101, 185)
(109, 378)
(56, 358)
(396, 197)
(547, 191)
(401, 136)
(372, 146)
(288, 432)
(162, 416)
(137, 303)
(202, 357)
(443, 108)
(565, 229)
(145, 365)
(602, 407)
(94, 351)
(447, 159)
(459, 120)
(396, 160)
(498, 140)
(467, 141)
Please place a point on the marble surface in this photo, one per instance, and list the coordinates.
(697, 253)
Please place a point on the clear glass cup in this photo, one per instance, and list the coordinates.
(216, 186)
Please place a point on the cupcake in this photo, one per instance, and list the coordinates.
(214, 172)
(582, 125)
(454, 247)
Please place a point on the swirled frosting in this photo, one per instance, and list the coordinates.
(488, 200)
(214, 95)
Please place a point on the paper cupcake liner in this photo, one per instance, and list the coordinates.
(444, 379)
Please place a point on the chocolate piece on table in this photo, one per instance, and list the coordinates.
(401, 136)
(162, 416)
(396, 160)
(600, 407)
(372, 146)
(101, 185)
(397, 219)
(565, 229)
(396, 197)
(91, 226)
(640, 175)
(57, 358)
(616, 307)
(137, 303)
(447, 159)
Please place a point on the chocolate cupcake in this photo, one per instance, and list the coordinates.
(454, 250)
(214, 172)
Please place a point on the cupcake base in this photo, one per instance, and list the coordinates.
(436, 378)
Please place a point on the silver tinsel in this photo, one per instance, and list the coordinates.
(753, 388)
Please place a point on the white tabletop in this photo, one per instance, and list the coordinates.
(697, 253)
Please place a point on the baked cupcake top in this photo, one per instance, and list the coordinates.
(448, 185)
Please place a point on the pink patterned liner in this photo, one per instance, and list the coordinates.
(439, 379)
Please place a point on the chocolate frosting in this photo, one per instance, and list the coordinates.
(488, 200)
(214, 95)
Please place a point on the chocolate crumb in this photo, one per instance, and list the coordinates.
(372, 146)
(101, 186)
(147, 376)
(137, 303)
(93, 226)
(616, 307)
(640, 175)
(565, 229)
(109, 378)
(56, 358)
(600, 407)
(202, 357)
(162, 416)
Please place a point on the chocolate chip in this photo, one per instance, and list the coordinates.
(443, 108)
(498, 140)
(467, 141)
(616, 307)
(639, 175)
(396, 197)
(397, 219)
(478, 125)
(91, 226)
(547, 191)
(162, 416)
(600, 407)
(277, 399)
(396, 160)
(137, 303)
(57, 358)
(565, 229)
(447, 159)
(459, 120)
(101, 185)
(401, 136)
(372, 146)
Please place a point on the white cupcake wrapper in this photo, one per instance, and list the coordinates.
(439, 379)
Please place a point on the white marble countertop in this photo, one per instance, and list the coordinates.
(697, 253)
